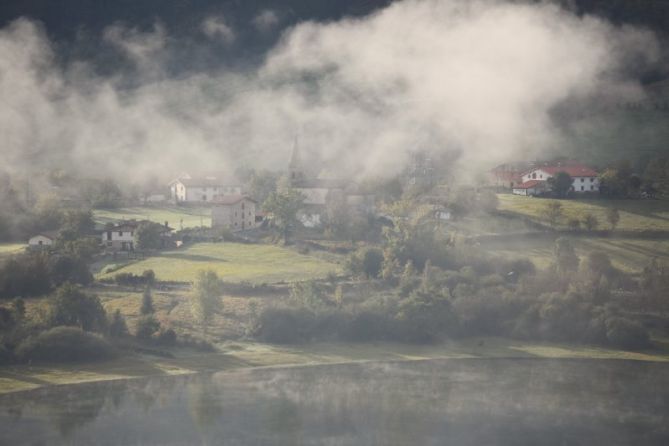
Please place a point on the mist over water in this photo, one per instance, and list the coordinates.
(458, 402)
(474, 80)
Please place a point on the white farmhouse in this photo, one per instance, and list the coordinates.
(121, 237)
(236, 212)
(193, 190)
(533, 180)
(584, 179)
(42, 240)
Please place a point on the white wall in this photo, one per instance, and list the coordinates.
(40, 240)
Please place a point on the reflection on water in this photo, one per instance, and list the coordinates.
(454, 402)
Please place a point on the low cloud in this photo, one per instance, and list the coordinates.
(478, 79)
(217, 28)
(266, 20)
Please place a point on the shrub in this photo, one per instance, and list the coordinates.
(167, 338)
(147, 278)
(624, 333)
(146, 327)
(64, 344)
(71, 306)
(366, 261)
(284, 325)
(6, 356)
(117, 325)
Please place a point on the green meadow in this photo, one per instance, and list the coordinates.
(635, 215)
(233, 262)
(176, 216)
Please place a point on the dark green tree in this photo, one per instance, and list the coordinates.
(561, 184)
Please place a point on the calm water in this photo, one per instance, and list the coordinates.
(442, 402)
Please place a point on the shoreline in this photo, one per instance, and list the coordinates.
(248, 356)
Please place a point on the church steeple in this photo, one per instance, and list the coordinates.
(295, 170)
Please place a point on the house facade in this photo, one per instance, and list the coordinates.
(42, 240)
(319, 193)
(534, 180)
(188, 189)
(121, 236)
(235, 212)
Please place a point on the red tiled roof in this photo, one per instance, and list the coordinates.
(574, 170)
(529, 184)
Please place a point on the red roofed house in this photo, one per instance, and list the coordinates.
(237, 212)
(584, 179)
(530, 188)
(507, 176)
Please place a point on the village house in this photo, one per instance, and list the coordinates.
(42, 240)
(187, 189)
(530, 188)
(584, 179)
(121, 236)
(320, 193)
(507, 176)
(235, 212)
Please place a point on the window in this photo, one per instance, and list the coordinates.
(534, 176)
(204, 198)
(582, 187)
(592, 179)
(592, 187)
(120, 233)
(40, 242)
(582, 180)
(242, 206)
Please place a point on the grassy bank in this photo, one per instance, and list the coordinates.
(233, 262)
(248, 355)
(635, 215)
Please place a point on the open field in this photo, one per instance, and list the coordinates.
(246, 355)
(7, 249)
(176, 216)
(233, 262)
(635, 215)
(627, 254)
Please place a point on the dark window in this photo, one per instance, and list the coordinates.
(120, 233)
(582, 180)
(109, 237)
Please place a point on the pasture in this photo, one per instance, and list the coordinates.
(628, 254)
(635, 215)
(177, 217)
(233, 262)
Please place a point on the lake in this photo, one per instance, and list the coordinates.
(436, 402)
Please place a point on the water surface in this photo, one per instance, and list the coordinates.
(437, 402)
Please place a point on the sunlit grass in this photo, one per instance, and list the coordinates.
(7, 249)
(233, 262)
(635, 215)
(627, 254)
(176, 216)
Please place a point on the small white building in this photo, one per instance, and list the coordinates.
(201, 190)
(42, 240)
(530, 188)
(236, 212)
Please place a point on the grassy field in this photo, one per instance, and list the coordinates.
(175, 216)
(627, 254)
(7, 249)
(237, 355)
(635, 215)
(233, 262)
